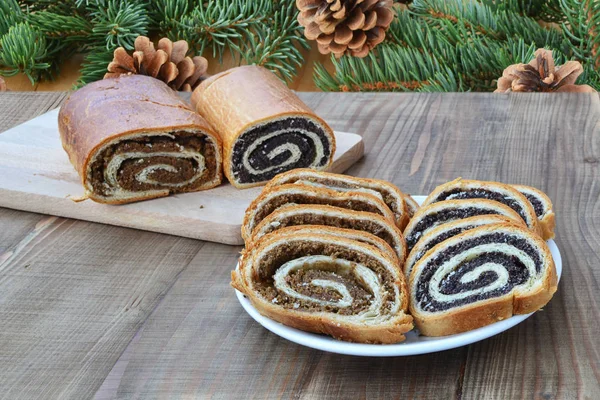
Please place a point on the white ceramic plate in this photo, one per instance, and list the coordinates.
(414, 343)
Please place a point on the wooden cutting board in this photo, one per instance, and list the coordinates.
(36, 176)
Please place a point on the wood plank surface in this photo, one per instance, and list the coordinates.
(66, 334)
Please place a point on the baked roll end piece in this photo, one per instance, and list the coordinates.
(495, 191)
(321, 280)
(272, 198)
(479, 277)
(266, 129)
(132, 138)
(385, 191)
(543, 209)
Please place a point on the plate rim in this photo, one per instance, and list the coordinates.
(424, 346)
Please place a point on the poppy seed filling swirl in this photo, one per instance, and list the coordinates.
(476, 269)
(266, 150)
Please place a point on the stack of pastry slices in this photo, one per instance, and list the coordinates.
(325, 253)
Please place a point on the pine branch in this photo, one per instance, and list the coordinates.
(166, 14)
(10, 14)
(482, 61)
(119, 23)
(482, 19)
(116, 25)
(278, 42)
(546, 10)
(94, 65)
(72, 28)
(218, 25)
(590, 76)
(582, 29)
(441, 56)
(388, 68)
(23, 50)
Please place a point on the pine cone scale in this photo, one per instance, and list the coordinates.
(350, 27)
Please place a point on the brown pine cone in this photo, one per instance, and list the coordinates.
(541, 76)
(340, 27)
(169, 63)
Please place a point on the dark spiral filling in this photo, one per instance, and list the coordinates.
(450, 214)
(150, 144)
(538, 206)
(517, 271)
(459, 194)
(259, 160)
(441, 237)
(310, 218)
(291, 250)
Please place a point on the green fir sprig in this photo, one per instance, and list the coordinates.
(432, 45)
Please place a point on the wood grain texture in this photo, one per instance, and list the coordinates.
(73, 296)
(198, 342)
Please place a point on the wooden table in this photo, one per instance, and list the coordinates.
(89, 310)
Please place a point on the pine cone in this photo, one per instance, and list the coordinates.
(169, 63)
(541, 76)
(340, 27)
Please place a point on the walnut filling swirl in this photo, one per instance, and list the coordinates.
(144, 164)
(312, 276)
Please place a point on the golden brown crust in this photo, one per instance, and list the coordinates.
(460, 183)
(547, 221)
(249, 223)
(412, 207)
(548, 224)
(398, 207)
(492, 310)
(112, 108)
(390, 331)
(239, 98)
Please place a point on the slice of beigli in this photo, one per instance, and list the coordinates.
(448, 230)
(471, 189)
(542, 205)
(314, 214)
(479, 277)
(271, 198)
(353, 234)
(411, 205)
(435, 214)
(390, 194)
(329, 284)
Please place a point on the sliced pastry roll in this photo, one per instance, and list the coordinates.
(435, 214)
(481, 276)
(274, 197)
(387, 192)
(471, 189)
(266, 129)
(353, 234)
(314, 214)
(542, 205)
(411, 205)
(132, 138)
(448, 230)
(326, 283)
